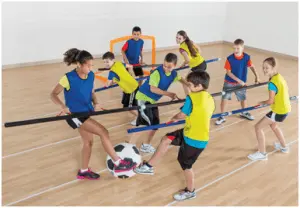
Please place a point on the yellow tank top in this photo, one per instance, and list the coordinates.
(194, 61)
(281, 103)
(127, 83)
(198, 123)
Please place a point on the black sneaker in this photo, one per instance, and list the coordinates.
(125, 165)
(89, 174)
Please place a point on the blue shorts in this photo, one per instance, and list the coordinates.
(240, 95)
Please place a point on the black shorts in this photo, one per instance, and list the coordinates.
(77, 122)
(276, 117)
(147, 116)
(200, 67)
(138, 71)
(128, 99)
(187, 154)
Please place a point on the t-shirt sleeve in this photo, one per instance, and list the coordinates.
(272, 87)
(178, 78)
(227, 65)
(249, 64)
(154, 79)
(112, 75)
(125, 46)
(187, 106)
(65, 82)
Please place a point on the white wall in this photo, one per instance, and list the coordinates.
(267, 25)
(38, 31)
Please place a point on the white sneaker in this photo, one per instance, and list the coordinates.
(258, 156)
(184, 195)
(220, 120)
(282, 149)
(144, 169)
(247, 115)
(147, 148)
(133, 123)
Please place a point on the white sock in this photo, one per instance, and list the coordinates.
(83, 170)
(117, 162)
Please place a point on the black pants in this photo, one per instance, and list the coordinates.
(200, 67)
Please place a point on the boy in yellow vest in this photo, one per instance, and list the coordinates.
(280, 107)
(119, 74)
(193, 138)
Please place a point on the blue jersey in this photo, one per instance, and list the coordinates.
(164, 83)
(133, 50)
(239, 67)
(79, 97)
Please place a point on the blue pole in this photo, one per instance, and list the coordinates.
(163, 125)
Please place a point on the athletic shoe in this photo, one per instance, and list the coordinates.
(220, 120)
(89, 174)
(144, 169)
(247, 115)
(258, 156)
(184, 195)
(125, 165)
(282, 149)
(147, 148)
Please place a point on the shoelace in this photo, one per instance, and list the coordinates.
(124, 162)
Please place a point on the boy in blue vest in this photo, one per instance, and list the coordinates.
(236, 76)
(132, 52)
(152, 90)
(193, 138)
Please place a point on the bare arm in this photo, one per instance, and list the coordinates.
(186, 59)
(54, 96)
(255, 74)
(270, 100)
(158, 91)
(125, 57)
(178, 116)
(185, 85)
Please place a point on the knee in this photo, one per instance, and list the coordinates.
(103, 134)
(88, 144)
(257, 127)
(165, 140)
(273, 126)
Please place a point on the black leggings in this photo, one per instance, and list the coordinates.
(200, 67)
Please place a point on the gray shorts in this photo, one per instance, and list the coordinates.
(240, 95)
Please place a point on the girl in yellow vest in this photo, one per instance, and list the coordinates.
(119, 74)
(280, 107)
(190, 52)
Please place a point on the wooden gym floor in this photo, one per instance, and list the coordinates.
(40, 162)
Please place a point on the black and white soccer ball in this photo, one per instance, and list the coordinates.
(124, 150)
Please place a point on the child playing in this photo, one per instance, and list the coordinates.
(122, 77)
(190, 52)
(78, 86)
(132, 52)
(280, 107)
(152, 90)
(197, 110)
(236, 76)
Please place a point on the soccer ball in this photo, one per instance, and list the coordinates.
(124, 150)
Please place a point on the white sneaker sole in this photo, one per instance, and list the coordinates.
(220, 123)
(251, 158)
(185, 198)
(143, 173)
(146, 151)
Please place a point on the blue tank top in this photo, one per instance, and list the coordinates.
(79, 97)
(238, 67)
(134, 50)
(164, 83)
